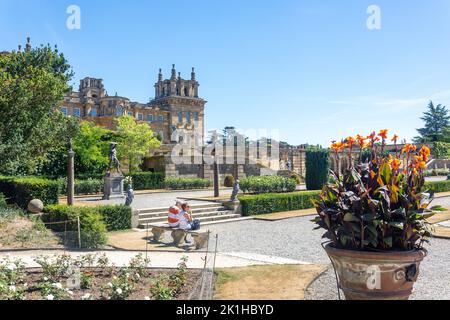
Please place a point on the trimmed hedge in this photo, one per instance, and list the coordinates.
(24, 189)
(93, 228)
(317, 168)
(437, 186)
(277, 202)
(267, 184)
(116, 217)
(147, 180)
(186, 183)
(229, 181)
(88, 186)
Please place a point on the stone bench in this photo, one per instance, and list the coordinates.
(178, 235)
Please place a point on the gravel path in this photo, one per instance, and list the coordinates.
(295, 239)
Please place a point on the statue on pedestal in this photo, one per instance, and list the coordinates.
(113, 187)
(113, 160)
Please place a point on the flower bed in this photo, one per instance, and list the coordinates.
(93, 277)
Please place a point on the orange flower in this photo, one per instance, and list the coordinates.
(425, 152)
(408, 148)
(361, 141)
(338, 146)
(421, 165)
(350, 142)
(415, 171)
(394, 138)
(383, 134)
(372, 174)
(395, 164)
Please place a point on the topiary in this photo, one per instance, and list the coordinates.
(229, 181)
(296, 177)
(317, 168)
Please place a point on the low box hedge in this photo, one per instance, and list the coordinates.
(267, 184)
(21, 190)
(186, 183)
(437, 186)
(62, 218)
(277, 202)
(115, 217)
(147, 180)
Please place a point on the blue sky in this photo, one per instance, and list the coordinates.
(311, 69)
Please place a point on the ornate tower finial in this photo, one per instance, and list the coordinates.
(160, 75)
(174, 73)
(193, 74)
(179, 75)
(28, 46)
(20, 48)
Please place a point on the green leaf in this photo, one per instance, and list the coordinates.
(385, 172)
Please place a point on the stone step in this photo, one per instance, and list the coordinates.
(195, 216)
(208, 220)
(193, 207)
(194, 211)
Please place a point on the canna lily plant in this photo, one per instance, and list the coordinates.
(378, 204)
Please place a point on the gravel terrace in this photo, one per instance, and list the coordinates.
(295, 239)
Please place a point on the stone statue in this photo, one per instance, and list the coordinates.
(113, 161)
(235, 192)
(130, 196)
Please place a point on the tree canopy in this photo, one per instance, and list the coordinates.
(437, 124)
(32, 83)
(135, 141)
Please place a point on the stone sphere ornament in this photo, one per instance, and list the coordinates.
(35, 206)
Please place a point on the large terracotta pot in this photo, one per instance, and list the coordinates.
(367, 275)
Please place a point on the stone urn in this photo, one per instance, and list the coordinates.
(366, 275)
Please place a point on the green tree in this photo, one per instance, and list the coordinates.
(437, 124)
(32, 83)
(135, 141)
(91, 146)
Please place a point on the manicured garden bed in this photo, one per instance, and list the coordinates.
(94, 277)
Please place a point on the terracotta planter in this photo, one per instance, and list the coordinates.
(367, 275)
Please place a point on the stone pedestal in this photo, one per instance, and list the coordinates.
(234, 206)
(113, 186)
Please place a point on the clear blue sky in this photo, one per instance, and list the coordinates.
(311, 69)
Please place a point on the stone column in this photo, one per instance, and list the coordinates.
(71, 178)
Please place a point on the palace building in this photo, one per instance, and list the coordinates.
(176, 106)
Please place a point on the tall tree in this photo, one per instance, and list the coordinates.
(32, 83)
(135, 141)
(437, 124)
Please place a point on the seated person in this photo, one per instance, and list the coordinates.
(186, 221)
(175, 214)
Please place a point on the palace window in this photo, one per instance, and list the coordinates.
(64, 111)
(119, 111)
(161, 118)
(188, 117)
(77, 112)
(180, 117)
(130, 113)
(140, 117)
(196, 116)
(150, 118)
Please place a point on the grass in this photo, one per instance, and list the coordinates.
(266, 282)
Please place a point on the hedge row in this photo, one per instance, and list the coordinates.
(267, 184)
(94, 222)
(277, 202)
(438, 186)
(147, 180)
(186, 183)
(22, 190)
(88, 186)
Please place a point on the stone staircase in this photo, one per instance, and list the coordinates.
(208, 213)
